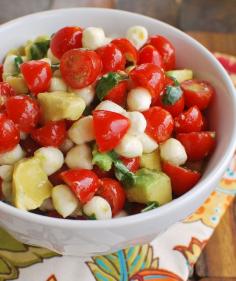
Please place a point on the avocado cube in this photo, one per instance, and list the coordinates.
(151, 160)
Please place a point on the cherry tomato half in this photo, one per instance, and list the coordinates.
(149, 54)
(118, 94)
(149, 76)
(53, 133)
(165, 49)
(160, 123)
(133, 164)
(80, 68)
(112, 58)
(113, 192)
(24, 111)
(65, 39)
(6, 91)
(126, 48)
(109, 128)
(198, 145)
(1, 71)
(196, 92)
(182, 180)
(9, 134)
(84, 183)
(37, 75)
(189, 121)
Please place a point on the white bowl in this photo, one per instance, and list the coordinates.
(88, 238)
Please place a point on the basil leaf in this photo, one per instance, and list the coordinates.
(38, 50)
(150, 206)
(172, 95)
(18, 61)
(107, 82)
(176, 82)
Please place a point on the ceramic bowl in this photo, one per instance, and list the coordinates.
(89, 238)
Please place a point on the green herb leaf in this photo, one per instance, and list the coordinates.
(18, 61)
(176, 82)
(92, 217)
(172, 95)
(102, 160)
(38, 50)
(150, 206)
(107, 82)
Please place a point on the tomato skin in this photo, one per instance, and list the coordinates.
(118, 94)
(65, 39)
(160, 123)
(112, 58)
(6, 91)
(84, 183)
(182, 180)
(189, 121)
(102, 174)
(9, 134)
(148, 76)
(55, 178)
(133, 164)
(149, 54)
(109, 128)
(113, 192)
(197, 92)
(24, 111)
(80, 68)
(126, 48)
(53, 133)
(29, 146)
(165, 49)
(1, 71)
(198, 145)
(37, 75)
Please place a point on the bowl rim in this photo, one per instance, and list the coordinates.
(170, 207)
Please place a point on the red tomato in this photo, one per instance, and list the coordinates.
(53, 133)
(9, 134)
(84, 183)
(1, 71)
(6, 91)
(37, 75)
(160, 123)
(127, 49)
(133, 164)
(112, 58)
(196, 92)
(29, 146)
(102, 174)
(149, 76)
(182, 180)
(109, 128)
(80, 68)
(24, 111)
(198, 145)
(118, 94)
(165, 49)
(65, 39)
(149, 54)
(113, 192)
(55, 178)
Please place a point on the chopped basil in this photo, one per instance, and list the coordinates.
(172, 95)
(18, 61)
(176, 82)
(150, 206)
(92, 217)
(107, 82)
(38, 50)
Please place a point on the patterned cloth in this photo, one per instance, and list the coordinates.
(170, 256)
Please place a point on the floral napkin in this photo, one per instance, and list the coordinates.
(170, 256)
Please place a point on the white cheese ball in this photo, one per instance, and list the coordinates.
(139, 99)
(51, 159)
(80, 156)
(137, 35)
(7, 191)
(64, 200)
(67, 145)
(57, 84)
(82, 130)
(47, 60)
(87, 93)
(98, 207)
(93, 38)
(12, 156)
(110, 106)
(54, 60)
(129, 147)
(138, 123)
(173, 151)
(6, 172)
(149, 144)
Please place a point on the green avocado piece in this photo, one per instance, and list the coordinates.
(102, 160)
(150, 186)
(181, 74)
(151, 160)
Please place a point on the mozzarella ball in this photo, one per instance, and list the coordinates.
(53, 59)
(137, 35)
(80, 156)
(57, 84)
(130, 146)
(98, 207)
(87, 93)
(149, 144)
(82, 130)
(64, 200)
(6, 172)
(173, 151)
(93, 38)
(110, 106)
(47, 205)
(7, 191)
(11, 157)
(138, 123)
(9, 66)
(51, 159)
(47, 60)
(139, 99)
(57, 73)
(67, 145)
